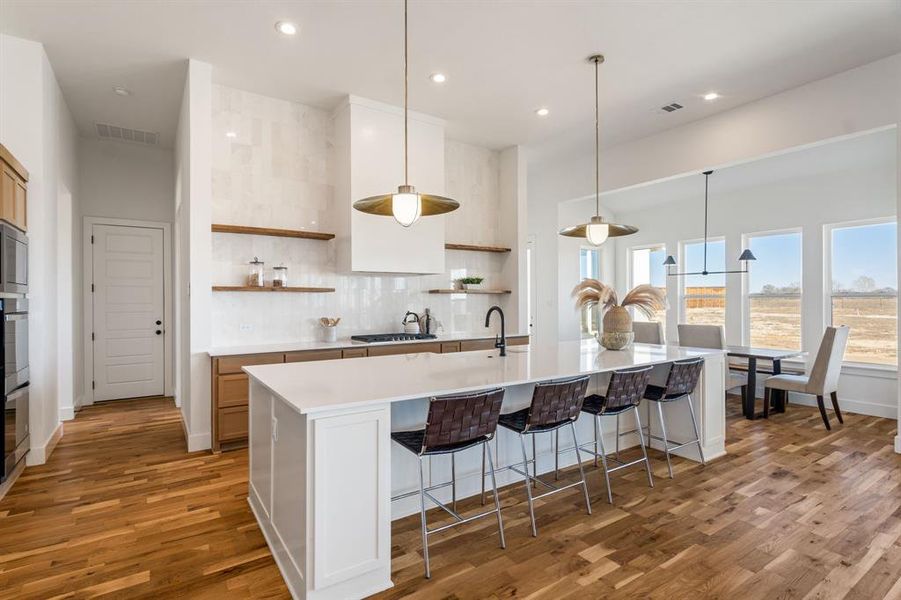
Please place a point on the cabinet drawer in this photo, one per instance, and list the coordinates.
(232, 423)
(470, 345)
(450, 347)
(232, 390)
(392, 349)
(233, 364)
(354, 353)
(312, 355)
(520, 340)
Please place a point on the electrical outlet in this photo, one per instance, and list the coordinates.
(246, 328)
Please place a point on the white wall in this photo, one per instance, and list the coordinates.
(36, 126)
(806, 203)
(122, 180)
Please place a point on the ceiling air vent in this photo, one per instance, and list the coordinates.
(671, 107)
(124, 134)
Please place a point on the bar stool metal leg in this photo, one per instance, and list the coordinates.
(617, 436)
(484, 451)
(557, 454)
(694, 423)
(525, 469)
(647, 463)
(669, 465)
(425, 535)
(596, 428)
(497, 501)
(534, 463)
(603, 453)
(453, 482)
(572, 427)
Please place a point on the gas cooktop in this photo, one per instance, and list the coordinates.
(393, 337)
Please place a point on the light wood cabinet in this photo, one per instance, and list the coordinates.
(13, 190)
(231, 388)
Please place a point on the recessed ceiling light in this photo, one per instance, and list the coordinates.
(231, 134)
(438, 77)
(710, 96)
(542, 112)
(121, 90)
(286, 28)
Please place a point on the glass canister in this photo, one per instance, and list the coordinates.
(280, 276)
(255, 277)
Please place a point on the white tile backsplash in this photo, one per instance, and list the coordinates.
(277, 172)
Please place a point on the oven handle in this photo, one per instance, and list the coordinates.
(17, 393)
(16, 317)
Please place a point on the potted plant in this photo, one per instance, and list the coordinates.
(472, 283)
(615, 329)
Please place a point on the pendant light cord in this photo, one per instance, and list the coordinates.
(406, 51)
(597, 145)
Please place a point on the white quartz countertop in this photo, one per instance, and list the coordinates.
(346, 343)
(337, 384)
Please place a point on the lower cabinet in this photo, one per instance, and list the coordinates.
(230, 384)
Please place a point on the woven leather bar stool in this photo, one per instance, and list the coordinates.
(455, 423)
(680, 383)
(624, 394)
(555, 404)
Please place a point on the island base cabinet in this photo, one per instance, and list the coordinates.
(320, 490)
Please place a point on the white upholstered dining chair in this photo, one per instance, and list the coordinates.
(713, 336)
(648, 332)
(823, 377)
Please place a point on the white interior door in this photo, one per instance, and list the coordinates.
(128, 308)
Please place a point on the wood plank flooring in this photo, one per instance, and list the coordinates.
(122, 511)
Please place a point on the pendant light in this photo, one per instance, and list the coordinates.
(406, 205)
(744, 259)
(597, 230)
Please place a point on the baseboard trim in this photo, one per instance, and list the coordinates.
(66, 413)
(39, 455)
(195, 441)
(860, 407)
(898, 444)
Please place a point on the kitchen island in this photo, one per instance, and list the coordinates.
(322, 469)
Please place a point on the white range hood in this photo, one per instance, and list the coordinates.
(369, 161)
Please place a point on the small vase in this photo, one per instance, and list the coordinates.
(329, 334)
(616, 329)
(472, 286)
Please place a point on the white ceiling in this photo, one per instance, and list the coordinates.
(503, 59)
(868, 151)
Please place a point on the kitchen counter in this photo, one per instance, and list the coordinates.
(323, 468)
(346, 342)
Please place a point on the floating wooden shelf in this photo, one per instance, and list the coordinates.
(475, 248)
(245, 288)
(470, 292)
(291, 233)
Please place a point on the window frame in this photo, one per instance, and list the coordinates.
(828, 230)
(683, 267)
(630, 275)
(746, 283)
(597, 253)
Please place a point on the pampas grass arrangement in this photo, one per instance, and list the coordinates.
(617, 322)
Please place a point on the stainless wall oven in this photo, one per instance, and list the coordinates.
(14, 350)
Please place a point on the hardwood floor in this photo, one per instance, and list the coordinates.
(121, 511)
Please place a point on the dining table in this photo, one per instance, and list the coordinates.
(753, 355)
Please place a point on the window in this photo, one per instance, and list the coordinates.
(774, 291)
(864, 266)
(589, 268)
(647, 268)
(704, 296)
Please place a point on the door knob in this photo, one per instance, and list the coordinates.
(159, 322)
(159, 332)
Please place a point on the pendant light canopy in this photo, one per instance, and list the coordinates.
(598, 229)
(406, 205)
(745, 257)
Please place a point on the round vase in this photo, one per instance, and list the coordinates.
(616, 329)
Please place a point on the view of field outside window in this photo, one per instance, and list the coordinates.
(774, 291)
(865, 290)
(589, 268)
(704, 296)
(647, 268)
